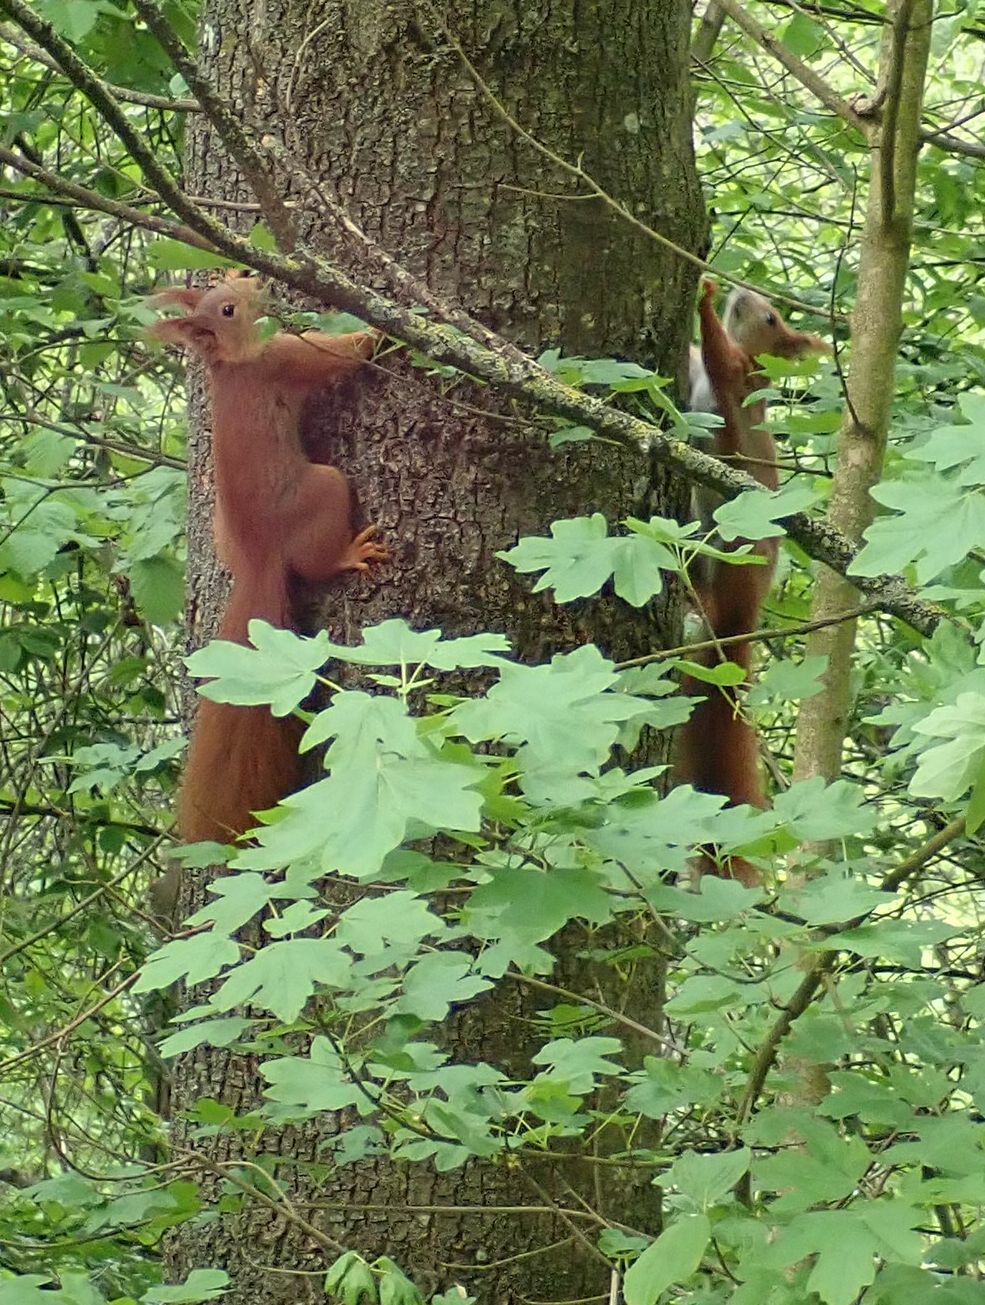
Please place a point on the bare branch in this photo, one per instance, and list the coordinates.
(11, 36)
(85, 198)
(227, 123)
(807, 77)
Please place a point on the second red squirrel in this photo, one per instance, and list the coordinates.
(718, 748)
(281, 522)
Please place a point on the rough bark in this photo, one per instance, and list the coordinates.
(395, 125)
(876, 325)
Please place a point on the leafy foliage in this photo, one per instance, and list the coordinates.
(472, 831)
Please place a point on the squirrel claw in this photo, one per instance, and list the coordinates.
(364, 552)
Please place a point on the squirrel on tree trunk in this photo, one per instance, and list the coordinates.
(718, 750)
(281, 523)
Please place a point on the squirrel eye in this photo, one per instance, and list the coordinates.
(771, 319)
(228, 310)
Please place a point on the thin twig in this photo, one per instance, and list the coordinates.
(924, 853)
(124, 93)
(598, 191)
(806, 75)
(231, 127)
(729, 641)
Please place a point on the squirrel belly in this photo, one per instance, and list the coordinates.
(282, 523)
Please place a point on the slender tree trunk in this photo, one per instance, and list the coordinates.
(876, 326)
(385, 109)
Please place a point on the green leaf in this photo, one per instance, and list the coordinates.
(173, 256)
(756, 513)
(102, 766)
(193, 959)
(815, 811)
(673, 1258)
(958, 446)
(577, 560)
(975, 814)
(351, 1281)
(39, 528)
(363, 725)
(220, 1032)
(371, 814)
(664, 1086)
(283, 975)
(901, 941)
(261, 237)
(803, 37)
(789, 681)
(437, 982)
(561, 715)
(845, 1245)
(947, 770)
(579, 1065)
(314, 1083)
(399, 917)
(279, 669)
(158, 588)
(831, 899)
(395, 1287)
(238, 899)
(524, 902)
(26, 1290)
(724, 675)
(201, 1284)
(580, 557)
(570, 435)
(705, 1179)
(298, 918)
(384, 778)
(358, 1285)
(73, 19)
(937, 525)
(394, 643)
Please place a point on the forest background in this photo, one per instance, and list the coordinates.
(478, 1040)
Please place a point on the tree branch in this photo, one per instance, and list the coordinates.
(85, 198)
(12, 37)
(101, 97)
(227, 124)
(807, 77)
(708, 33)
(497, 362)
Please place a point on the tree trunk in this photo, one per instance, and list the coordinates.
(877, 322)
(397, 127)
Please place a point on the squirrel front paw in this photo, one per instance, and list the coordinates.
(364, 552)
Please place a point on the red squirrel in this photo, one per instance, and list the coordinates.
(280, 522)
(718, 748)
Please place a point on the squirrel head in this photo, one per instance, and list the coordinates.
(756, 326)
(219, 324)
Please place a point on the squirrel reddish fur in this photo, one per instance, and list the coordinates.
(718, 748)
(280, 522)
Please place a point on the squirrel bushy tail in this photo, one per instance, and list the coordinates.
(244, 758)
(720, 754)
